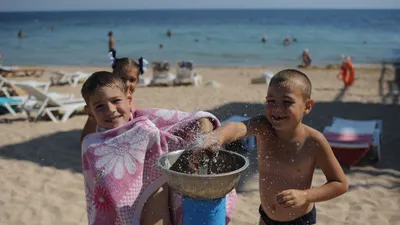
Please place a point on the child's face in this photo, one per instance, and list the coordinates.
(110, 107)
(286, 105)
(131, 79)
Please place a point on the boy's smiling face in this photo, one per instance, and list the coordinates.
(286, 105)
(110, 106)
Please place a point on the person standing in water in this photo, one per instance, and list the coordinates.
(20, 34)
(111, 44)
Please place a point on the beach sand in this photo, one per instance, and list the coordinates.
(40, 163)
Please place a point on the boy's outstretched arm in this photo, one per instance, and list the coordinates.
(335, 186)
(233, 131)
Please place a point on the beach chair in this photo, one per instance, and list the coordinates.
(47, 104)
(351, 140)
(8, 103)
(162, 75)
(185, 74)
(17, 71)
(144, 81)
(247, 144)
(13, 101)
(264, 79)
(6, 85)
(73, 78)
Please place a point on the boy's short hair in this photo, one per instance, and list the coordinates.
(99, 80)
(289, 75)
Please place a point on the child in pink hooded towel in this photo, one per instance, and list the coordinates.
(119, 161)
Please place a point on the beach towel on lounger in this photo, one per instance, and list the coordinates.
(119, 165)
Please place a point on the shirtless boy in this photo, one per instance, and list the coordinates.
(288, 152)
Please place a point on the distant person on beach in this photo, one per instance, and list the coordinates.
(169, 33)
(286, 41)
(305, 59)
(111, 44)
(288, 153)
(20, 34)
(347, 71)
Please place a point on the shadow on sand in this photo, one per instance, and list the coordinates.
(67, 155)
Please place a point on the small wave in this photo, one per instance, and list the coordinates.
(228, 55)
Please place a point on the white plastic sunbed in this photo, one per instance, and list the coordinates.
(14, 70)
(5, 82)
(62, 77)
(47, 104)
(185, 74)
(161, 74)
(264, 79)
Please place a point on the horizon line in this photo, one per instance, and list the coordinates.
(186, 9)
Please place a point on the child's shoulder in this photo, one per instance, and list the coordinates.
(314, 135)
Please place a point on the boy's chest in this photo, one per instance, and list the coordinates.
(281, 159)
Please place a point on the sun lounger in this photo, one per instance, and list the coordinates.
(144, 81)
(264, 79)
(62, 77)
(351, 140)
(248, 144)
(47, 104)
(161, 74)
(17, 71)
(6, 84)
(185, 74)
(8, 103)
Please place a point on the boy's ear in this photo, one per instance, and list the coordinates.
(309, 106)
(88, 111)
(129, 97)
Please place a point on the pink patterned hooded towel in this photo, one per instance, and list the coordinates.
(119, 165)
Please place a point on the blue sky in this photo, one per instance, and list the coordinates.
(48, 5)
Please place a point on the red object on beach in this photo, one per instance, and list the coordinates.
(349, 149)
(349, 156)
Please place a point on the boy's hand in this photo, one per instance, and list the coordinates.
(291, 198)
(206, 142)
(205, 126)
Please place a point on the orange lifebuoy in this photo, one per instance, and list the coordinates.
(350, 78)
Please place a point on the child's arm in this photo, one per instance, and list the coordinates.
(90, 127)
(336, 180)
(233, 131)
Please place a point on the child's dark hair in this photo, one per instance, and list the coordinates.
(101, 79)
(122, 66)
(294, 75)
